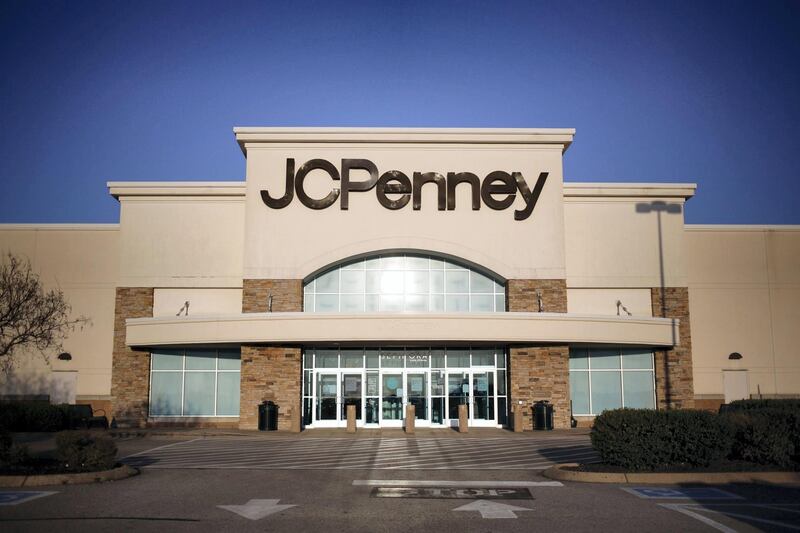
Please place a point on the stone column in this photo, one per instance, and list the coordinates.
(539, 372)
(130, 368)
(674, 381)
(271, 372)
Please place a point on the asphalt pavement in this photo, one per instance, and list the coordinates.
(381, 499)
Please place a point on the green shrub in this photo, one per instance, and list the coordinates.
(11, 454)
(788, 404)
(766, 436)
(645, 439)
(84, 451)
(5, 443)
(33, 416)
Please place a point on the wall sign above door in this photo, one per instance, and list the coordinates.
(395, 189)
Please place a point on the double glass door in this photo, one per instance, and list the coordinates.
(381, 397)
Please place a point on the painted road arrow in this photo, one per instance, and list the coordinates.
(489, 509)
(257, 509)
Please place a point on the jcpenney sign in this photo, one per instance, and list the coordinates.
(498, 190)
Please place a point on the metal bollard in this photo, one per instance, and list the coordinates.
(351, 418)
(462, 419)
(411, 418)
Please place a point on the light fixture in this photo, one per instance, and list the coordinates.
(65, 356)
(735, 356)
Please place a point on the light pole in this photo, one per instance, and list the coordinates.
(659, 206)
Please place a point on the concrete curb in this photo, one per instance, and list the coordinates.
(668, 478)
(121, 472)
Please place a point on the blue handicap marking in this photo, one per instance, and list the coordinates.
(15, 497)
(690, 493)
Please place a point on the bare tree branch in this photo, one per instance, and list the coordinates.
(29, 316)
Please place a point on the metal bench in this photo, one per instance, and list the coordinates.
(83, 417)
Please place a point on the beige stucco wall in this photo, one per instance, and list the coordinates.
(83, 260)
(744, 289)
(167, 302)
(604, 301)
(295, 241)
(186, 240)
(610, 243)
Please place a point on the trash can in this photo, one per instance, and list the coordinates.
(267, 416)
(543, 415)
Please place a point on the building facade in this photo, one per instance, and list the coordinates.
(383, 268)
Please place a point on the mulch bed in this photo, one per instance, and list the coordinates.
(727, 466)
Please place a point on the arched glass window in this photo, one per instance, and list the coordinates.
(403, 283)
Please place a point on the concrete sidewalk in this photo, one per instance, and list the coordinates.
(341, 433)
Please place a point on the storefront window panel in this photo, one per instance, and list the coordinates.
(639, 390)
(609, 378)
(206, 382)
(403, 283)
(196, 398)
(228, 394)
(606, 391)
(165, 393)
(579, 392)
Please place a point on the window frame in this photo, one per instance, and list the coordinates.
(183, 372)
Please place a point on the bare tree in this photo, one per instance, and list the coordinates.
(29, 316)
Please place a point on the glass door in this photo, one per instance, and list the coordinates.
(351, 394)
(483, 398)
(392, 399)
(457, 394)
(327, 392)
(417, 387)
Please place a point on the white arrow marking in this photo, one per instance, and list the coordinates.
(257, 509)
(490, 509)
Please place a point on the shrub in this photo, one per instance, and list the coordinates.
(766, 436)
(644, 439)
(33, 416)
(84, 451)
(787, 404)
(10, 453)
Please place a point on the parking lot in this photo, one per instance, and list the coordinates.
(363, 485)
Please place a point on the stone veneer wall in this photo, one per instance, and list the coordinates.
(271, 372)
(539, 372)
(130, 368)
(674, 382)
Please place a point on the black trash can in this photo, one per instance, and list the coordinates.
(543, 415)
(267, 416)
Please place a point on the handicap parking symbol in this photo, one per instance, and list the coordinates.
(691, 493)
(9, 497)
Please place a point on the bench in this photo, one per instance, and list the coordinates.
(83, 417)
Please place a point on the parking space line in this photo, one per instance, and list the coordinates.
(681, 508)
(746, 517)
(161, 448)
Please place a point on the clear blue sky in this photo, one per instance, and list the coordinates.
(699, 91)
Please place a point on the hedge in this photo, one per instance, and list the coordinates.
(784, 404)
(645, 439)
(766, 436)
(82, 451)
(765, 432)
(34, 416)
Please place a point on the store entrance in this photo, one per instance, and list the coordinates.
(435, 381)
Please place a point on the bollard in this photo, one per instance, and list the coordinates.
(462, 419)
(518, 421)
(411, 418)
(351, 418)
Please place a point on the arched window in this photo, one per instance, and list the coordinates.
(403, 283)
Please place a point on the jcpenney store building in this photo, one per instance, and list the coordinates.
(433, 267)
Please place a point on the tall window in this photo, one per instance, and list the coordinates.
(403, 283)
(609, 378)
(195, 382)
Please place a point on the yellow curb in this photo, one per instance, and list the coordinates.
(121, 472)
(558, 472)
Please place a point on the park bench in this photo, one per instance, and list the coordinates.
(83, 417)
